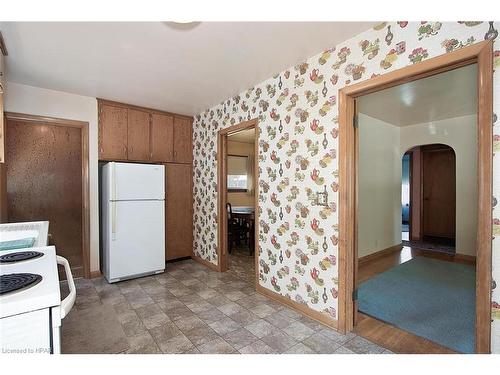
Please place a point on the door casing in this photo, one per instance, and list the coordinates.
(84, 128)
(222, 248)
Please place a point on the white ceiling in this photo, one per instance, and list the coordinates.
(179, 68)
(446, 95)
(245, 136)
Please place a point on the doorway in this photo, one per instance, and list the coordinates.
(237, 177)
(46, 178)
(480, 54)
(428, 194)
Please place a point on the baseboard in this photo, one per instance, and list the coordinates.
(177, 259)
(212, 266)
(464, 257)
(318, 316)
(380, 253)
(95, 274)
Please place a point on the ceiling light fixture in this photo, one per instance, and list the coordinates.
(181, 24)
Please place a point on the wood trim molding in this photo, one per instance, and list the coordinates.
(482, 54)
(465, 258)
(318, 316)
(380, 254)
(95, 274)
(485, 197)
(112, 103)
(212, 266)
(84, 126)
(15, 116)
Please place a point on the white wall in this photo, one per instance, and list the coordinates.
(379, 189)
(460, 133)
(36, 101)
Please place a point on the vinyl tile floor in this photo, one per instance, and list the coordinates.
(192, 309)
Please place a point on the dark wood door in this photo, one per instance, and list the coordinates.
(438, 179)
(3, 193)
(183, 148)
(179, 206)
(138, 135)
(44, 182)
(112, 133)
(162, 138)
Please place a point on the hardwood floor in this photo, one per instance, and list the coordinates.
(384, 334)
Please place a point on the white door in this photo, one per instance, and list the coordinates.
(137, 240)
(137, 181)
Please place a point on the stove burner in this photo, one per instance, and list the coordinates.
(19, 256)
(16, 281)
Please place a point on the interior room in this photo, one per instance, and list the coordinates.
(425, 188)
(241, 201)
(249, 188)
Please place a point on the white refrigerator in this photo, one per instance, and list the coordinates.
(133, 220)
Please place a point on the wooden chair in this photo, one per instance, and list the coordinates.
(251, 235)
(235, 230)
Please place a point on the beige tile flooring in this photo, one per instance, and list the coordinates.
(192, 309)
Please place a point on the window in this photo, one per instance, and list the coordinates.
(237, 173)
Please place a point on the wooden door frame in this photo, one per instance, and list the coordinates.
(222, 251)
(84, 128)
(480, 53)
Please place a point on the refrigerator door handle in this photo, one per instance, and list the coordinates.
(113, 221)
(113, 178)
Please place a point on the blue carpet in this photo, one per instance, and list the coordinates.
(430, 298)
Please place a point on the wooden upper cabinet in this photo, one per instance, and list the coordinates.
(162, 138)
(128, 132)
(138, 135)
(112, 132)
(183, 147)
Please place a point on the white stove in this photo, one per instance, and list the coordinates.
(31, 309)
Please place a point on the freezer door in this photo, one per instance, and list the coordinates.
(136, 239)
(137, 181)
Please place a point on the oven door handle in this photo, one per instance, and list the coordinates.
(69, 301)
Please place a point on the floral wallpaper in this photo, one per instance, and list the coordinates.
(298, 125)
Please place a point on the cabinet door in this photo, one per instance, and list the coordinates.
(2, 131)
(179, 211)
(138, 135)
(183, 148)
(112, 133)
(162, 138)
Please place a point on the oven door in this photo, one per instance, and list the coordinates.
(29, 333)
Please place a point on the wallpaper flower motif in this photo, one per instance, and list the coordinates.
(298, 141)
